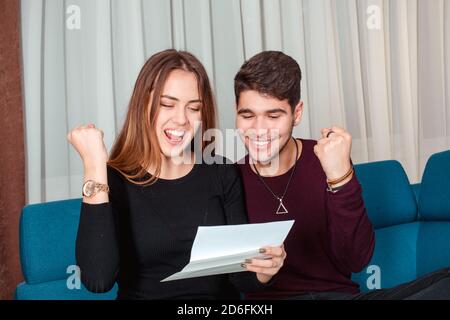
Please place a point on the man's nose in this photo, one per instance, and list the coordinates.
(260, 127)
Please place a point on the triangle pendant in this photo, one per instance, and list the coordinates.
(281, 208)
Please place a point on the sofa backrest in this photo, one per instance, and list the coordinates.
(387, 194)
(434, 197)
(433, 246)
(47, 240)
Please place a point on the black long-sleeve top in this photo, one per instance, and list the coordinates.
(145, 234)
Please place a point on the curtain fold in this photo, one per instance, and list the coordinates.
(403, 97)
(433, 122)
(389, 86)
(352, 81)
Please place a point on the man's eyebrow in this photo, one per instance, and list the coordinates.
(176, 99)
(244, 110)
(276, 110)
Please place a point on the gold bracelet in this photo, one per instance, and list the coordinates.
(336, 181)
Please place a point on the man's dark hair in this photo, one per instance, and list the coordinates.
(273, 73)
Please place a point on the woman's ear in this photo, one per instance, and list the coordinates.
(298, 110)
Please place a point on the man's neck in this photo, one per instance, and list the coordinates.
(285, 161)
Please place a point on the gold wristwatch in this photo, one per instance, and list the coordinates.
(91, 188)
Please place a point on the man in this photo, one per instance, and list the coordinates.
(308, 181)
(313, 183)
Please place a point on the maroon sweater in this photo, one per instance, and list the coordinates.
(331, 237)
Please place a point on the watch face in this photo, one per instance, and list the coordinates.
(88, 188)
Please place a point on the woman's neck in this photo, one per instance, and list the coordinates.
(176, 167)
(285, 161)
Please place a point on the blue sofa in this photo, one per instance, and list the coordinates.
(412, 224)
(47, 253)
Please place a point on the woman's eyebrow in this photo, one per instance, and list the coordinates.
(169, 97)
(176, 99)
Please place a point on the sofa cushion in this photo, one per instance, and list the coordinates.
(47, 239)
(434, 198)
(394, 255)
(433, 247)
(57, 290)
(387, 194)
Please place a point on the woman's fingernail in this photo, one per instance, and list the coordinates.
(262, 250)
(243, 265)
(248, 261)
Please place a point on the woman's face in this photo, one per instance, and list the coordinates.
(179, 113)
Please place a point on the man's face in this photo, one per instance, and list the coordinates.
(265, 124)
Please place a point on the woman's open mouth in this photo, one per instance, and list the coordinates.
(174, 136)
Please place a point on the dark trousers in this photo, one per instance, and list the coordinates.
(432, 286)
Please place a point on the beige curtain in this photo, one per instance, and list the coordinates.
(380, 68)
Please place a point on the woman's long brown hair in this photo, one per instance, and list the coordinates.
(136, 147)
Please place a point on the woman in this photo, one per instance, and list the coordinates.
(141, 208)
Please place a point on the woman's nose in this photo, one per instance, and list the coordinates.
(180, 116)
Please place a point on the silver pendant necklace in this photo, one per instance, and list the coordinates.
(281, 208)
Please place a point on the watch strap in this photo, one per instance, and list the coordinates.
(98, 187)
